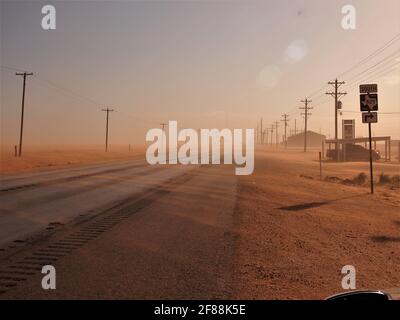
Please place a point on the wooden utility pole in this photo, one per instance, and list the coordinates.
(306, 108)
(336, 95)
(257, 135)
(272, 133)
(276, 133)
(285, 120)
(271, 130)
(295, 126)
(261, 131)
(163, 125)
(107, 113)
(24, 75)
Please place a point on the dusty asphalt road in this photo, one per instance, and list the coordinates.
(30, 202)
(163, 232)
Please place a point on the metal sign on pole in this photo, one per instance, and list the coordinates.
(369, 88)
(348, 129)
(369, 117)
(369, 103)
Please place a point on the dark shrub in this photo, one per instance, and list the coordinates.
(384, 179)
(396, 180)
(360, 179)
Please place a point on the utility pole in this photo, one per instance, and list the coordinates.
(25, 74)
(107, 113)
(271, 130)
(272, 133)
(285, 120)
(257, 138)
(261, 131)
(306, 114)
(276, 132)
(163, 126)
(295, 126)
(336, 95)
(266, 131)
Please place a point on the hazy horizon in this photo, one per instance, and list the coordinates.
(205, 64)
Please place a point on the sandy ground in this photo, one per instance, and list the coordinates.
(36, 158)
(281, 233)
(296, 232)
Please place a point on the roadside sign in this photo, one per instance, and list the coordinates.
(369, 88)
(368, 102)
(370, 117)
(348, 129)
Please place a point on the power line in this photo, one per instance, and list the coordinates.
(372, 74)
(376, 75)
(361, 62)
(380, 75)
(380, 113)
(373, 54)
(375, 65)
(68, 92)
(51, 84)
(11, 69)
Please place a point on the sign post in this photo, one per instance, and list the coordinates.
(368, 104)
(320, 165)
(371, 172)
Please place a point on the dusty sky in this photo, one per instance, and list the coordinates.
(204, 63)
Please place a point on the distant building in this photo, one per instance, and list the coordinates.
(313, 139)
